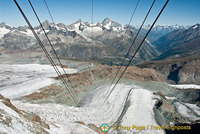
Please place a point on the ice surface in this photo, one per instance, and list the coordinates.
(186, 86)
(188, 111)
(18, 80)
(140, 111)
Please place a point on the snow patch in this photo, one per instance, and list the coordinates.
(28, 32)
(194, 27)
(3, 31)
(186, 86)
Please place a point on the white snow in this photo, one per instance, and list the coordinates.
(147, 41)
(194, 107)
(107, 26)
(17, 125)
(194, 27)
(28, 32)
(170, 98)
(90, 111)
(186, 86)
(94, 29)
(3, 31)
(140, 112)
(77, 27)
(18, 80)
(69, 128)
(40, 31)
(190, 114)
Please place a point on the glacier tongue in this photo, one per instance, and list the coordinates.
(140, 111)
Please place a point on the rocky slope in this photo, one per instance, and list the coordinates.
(180, 70)
(161, 30)
(83, 81)
(179, 43)
(105, 42)
(13, 120)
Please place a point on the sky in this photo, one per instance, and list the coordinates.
(181, 12)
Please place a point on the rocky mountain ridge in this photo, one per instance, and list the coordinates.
(105, 42)
(179, 43)
(178, 70)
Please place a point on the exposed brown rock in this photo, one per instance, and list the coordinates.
(81, 122)
(168, 111)
(160, 94)
(7, 121)
(29, 116)
(106, 72)
(86, 78)
(36, 118)
(46, 92)
(7, 102)
(96, 129)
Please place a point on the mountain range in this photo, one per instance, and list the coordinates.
(179, 43)
(179, 60)
(106, 42)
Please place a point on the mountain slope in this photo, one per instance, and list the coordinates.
(13, 120)
(177, 70)
(105, 42)
(160, 30)
(179, 43)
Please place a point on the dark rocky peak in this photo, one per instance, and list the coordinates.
(98, 24)
(3, 24)
(61, 25)
(78, 21)
(46, 23)
(113, 23)
(22, 28)
(106, 21)
(196, 26)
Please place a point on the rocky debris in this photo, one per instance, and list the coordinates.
(44, 93)
(161, 94)
(81, 81)
(81, 122)
(96, 129)
(93, 127)
(189, 95)
(168, 110)
(107, 72)
(36, 118)
(7, 102)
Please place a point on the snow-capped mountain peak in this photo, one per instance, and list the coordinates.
(196, 26)
(4, 29)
